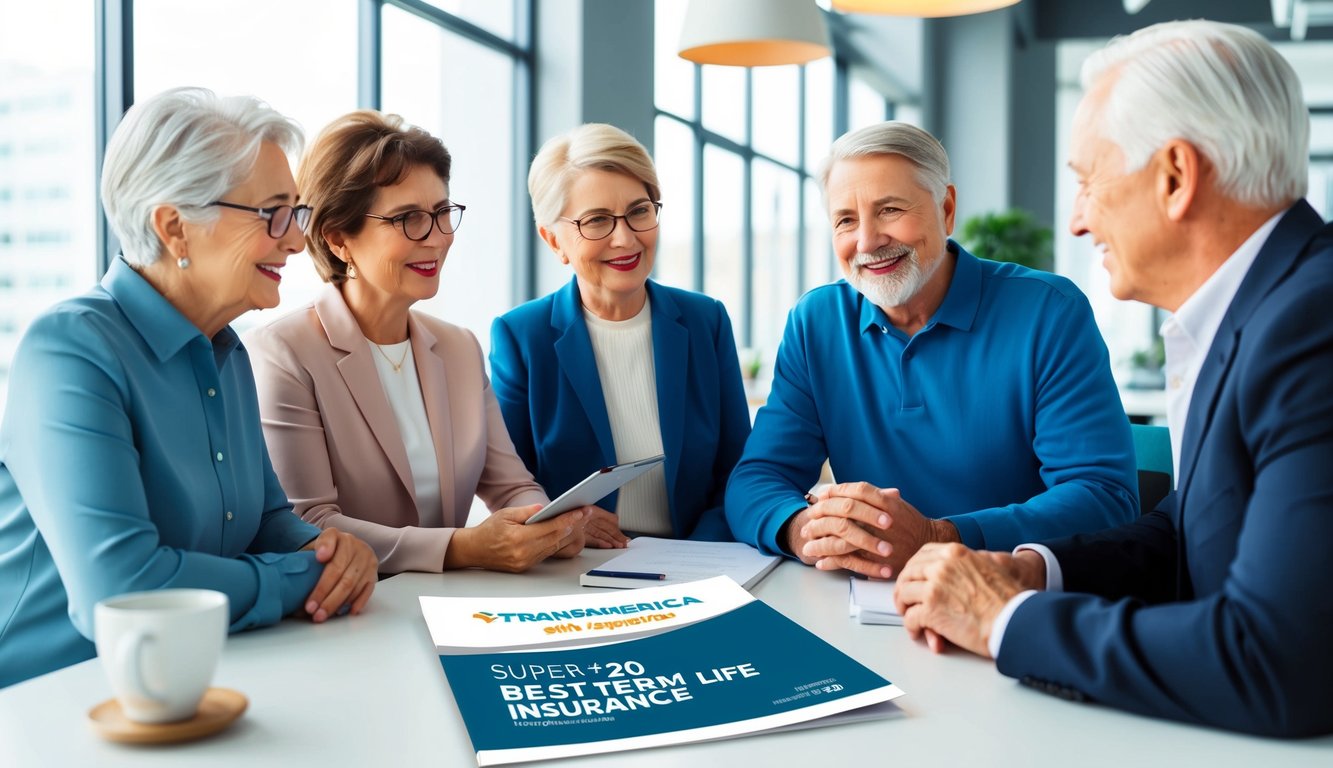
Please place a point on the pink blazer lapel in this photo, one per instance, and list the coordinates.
(435, 392)
(358, 372)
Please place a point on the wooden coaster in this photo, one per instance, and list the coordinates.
(218, 709)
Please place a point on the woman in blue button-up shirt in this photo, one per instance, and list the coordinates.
(131, 455)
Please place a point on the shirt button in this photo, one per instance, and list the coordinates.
(219, 455)
(228, 515)
(212, 392)
(1175, 382)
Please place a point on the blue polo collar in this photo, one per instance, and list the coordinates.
(961, 302)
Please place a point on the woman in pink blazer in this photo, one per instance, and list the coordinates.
(380, 419)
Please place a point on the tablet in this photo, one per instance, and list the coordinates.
(596, 486)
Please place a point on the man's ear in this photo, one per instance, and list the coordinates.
(553, 243)
(170, 229)
(948, 206)
(1178, 173)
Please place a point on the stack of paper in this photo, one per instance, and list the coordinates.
(871, 602)
(650, 562)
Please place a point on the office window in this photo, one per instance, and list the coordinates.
(777, 116)
(301, 60)
(675, 172)
(775, 273)
(494, 16)
(436, 78)
(724, 205)
(761, 235)
(673, 87)
(866, 106)
(819, 83)
(48, 203)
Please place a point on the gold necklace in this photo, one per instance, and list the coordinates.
(398, 366)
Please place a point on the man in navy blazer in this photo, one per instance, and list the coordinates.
(1191, 149)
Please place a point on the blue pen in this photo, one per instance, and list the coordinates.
(628, 575)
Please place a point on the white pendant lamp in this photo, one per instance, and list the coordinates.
(921, 8)
(753, 33)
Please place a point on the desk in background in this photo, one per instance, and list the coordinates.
(368, 690)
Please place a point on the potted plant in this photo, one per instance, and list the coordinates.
(1012, 235)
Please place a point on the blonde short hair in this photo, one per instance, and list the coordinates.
(589, 146)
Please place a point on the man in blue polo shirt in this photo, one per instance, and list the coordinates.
(956, 399)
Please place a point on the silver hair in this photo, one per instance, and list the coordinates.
(589, 146)
(894, 138)
(185, 147)
(1222, 88)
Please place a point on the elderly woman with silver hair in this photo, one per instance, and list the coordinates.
(615, 367)
(131, 453)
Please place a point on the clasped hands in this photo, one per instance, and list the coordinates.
(864, 529)
(945, 591)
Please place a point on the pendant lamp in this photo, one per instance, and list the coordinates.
(920, 8)
(753, 33)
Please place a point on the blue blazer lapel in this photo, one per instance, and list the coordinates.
(671, 362)
(1276, 259)
(573, 348)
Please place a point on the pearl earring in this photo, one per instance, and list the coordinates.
(351, 271)
(183, 262)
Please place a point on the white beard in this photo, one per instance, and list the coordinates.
(897, 287)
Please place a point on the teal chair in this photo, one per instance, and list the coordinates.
(1152, 456)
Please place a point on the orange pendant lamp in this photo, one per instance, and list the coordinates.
(753, 33)
(921, 8)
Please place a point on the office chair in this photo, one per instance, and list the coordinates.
(1152, 456)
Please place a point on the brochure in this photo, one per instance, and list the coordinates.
(547, 677)
(653, 562)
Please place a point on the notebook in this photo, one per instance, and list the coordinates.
(656, 562)
(871, 602)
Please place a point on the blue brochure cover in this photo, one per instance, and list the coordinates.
(547, 677)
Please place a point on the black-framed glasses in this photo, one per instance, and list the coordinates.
(279, 217)
(416, 225)
(643, 217)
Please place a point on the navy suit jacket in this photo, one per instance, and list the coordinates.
(1217, 607)
(545, 377)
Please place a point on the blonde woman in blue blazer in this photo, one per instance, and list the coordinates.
(614, 367)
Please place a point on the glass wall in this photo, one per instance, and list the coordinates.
(48, 203)
(754, 139)
(436, 62)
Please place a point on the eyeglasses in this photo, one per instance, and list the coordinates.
(279, 217)
(599, 226)
(416, 225)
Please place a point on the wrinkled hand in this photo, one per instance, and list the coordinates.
(861, 528)
(603, 530)
(349, 575)
(504, 543)
(949, 592)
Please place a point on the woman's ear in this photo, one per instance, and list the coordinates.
(337, 242)
(170, 229)
(553, 243)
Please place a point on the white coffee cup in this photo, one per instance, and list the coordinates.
(160, 649)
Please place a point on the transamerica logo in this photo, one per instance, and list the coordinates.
(628, 609)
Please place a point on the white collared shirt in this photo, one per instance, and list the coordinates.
(1188, 334)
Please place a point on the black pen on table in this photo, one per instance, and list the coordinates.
(628, 575)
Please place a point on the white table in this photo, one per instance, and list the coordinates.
(369, 691)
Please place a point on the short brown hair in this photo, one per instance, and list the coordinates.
(350, 159)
